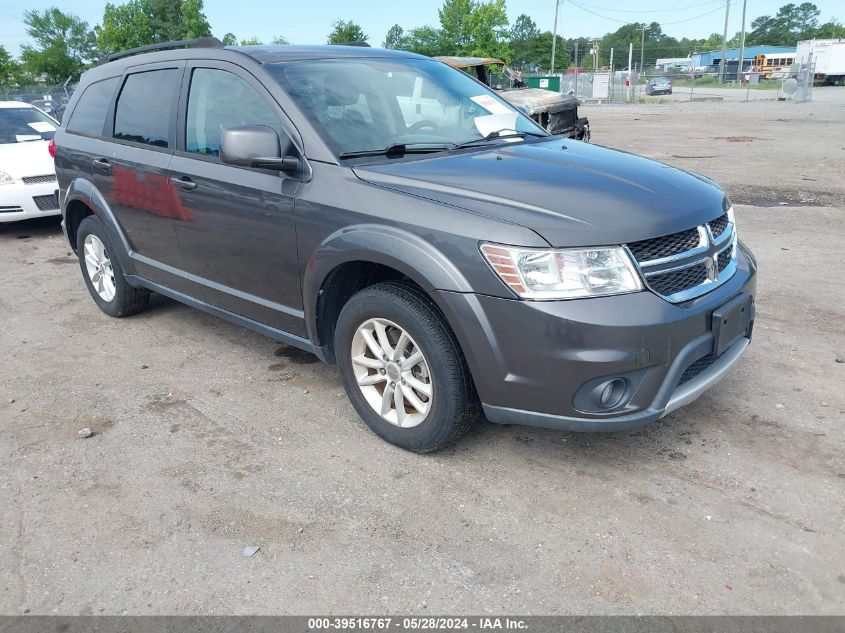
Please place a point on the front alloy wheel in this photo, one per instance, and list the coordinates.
(392, 372)
(402, 367)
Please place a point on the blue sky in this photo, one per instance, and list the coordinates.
(310, 22)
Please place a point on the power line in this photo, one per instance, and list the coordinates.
(607, 17)
(691, 19)
(675, 10)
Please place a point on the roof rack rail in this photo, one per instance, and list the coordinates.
(200, 42)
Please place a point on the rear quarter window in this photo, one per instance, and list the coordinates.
(89, 115)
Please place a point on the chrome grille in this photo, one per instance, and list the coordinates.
(718, 226)
(665, 246)
(37, 180)
(689, 263)
(46, 203)
(10, 209)
(671, 282)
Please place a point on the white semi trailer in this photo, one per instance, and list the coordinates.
(828, 57)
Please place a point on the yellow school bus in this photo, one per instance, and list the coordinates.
(773, 63)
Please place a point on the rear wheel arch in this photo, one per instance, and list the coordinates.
(82, 200)
(75, 212)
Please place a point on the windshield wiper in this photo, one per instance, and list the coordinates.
(397, 149)
(497, 134)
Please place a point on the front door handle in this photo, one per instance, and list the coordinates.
(183, 182)
(102, 164)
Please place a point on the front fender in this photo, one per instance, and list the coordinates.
(412, 256)
(83, 190)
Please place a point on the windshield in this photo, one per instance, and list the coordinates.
(18, 125)
(371, 104)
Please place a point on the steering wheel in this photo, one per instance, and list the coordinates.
(424, 123)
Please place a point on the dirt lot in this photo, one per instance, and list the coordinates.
(209, 438)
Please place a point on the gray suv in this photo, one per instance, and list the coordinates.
(397, 218)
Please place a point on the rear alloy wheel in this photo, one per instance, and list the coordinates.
(99, 267)
(403, 369)
(103, 274)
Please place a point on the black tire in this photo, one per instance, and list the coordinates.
(127, 300)
(454, 405)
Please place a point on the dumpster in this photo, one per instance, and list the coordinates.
(547, 82)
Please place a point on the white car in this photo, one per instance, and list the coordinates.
(27, 177)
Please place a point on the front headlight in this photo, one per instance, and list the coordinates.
(6, 179)
(568, 273)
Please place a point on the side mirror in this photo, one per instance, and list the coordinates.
(257, 146)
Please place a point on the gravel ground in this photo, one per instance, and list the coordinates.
(208, 438)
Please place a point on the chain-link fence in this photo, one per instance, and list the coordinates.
(52, 99)
(792, 83)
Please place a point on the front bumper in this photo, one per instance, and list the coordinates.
(21, 201)
(530, 359)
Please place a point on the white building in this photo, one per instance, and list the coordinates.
(665, 63)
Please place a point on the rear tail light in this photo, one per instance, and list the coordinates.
(51, 147)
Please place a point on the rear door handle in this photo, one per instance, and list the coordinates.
(102, 164)
(183, 182)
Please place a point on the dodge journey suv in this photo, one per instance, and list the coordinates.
(397, 218)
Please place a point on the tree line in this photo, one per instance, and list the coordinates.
(61, 45)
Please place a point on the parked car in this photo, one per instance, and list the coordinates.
(464, 262)
(27, 176)
(659, 86)
(53, 107)
(553, 111)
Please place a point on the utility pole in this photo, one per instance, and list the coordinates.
(628, 81)
(576, 68)
(642, 49)
(741, 46)
(554, 37)
(724, 42)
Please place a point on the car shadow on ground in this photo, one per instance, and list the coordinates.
(36, 227)
(673, 439)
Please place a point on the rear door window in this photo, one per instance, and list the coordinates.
(89, 115)
(146, 106)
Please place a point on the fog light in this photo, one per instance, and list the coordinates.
(610, 393)
(605, 395)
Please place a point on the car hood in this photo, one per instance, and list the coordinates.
(569, 192)
(31, 158)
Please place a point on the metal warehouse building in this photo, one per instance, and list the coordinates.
(713, 58)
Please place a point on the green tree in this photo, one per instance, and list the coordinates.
(251, 41)
(453, 22)
(9, 68)
(423, 40)
(193, 21)
(125, 26)
(344, 32)
(140, 22)
(830, 30)
(394, 36)
(791, 23)
(523, 40)
(229, 39)
(487, 25)
(472, 27)
(541, 53)
(64, 45)
(280, 40)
